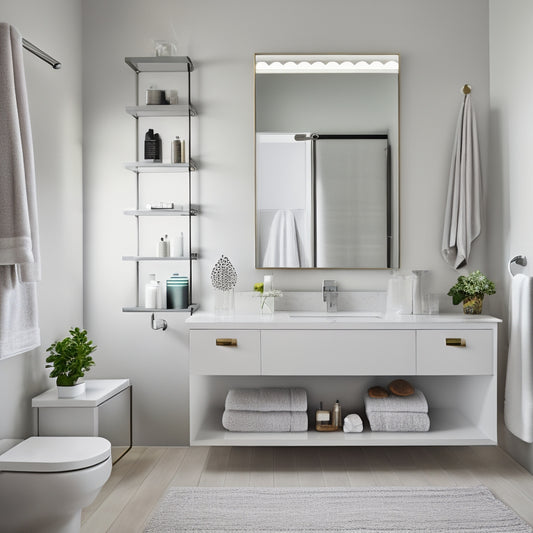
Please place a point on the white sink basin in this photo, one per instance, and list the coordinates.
(338, 314)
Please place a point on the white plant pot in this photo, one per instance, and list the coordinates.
(71, 392)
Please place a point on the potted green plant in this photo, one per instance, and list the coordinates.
(69, 359)
(470, 290)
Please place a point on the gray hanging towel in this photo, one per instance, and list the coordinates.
(463, 215)
(19, 244)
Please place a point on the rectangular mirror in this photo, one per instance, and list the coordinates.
(326, 161)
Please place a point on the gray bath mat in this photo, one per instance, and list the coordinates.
(365, 510)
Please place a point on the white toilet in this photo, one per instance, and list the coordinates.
(45, 482)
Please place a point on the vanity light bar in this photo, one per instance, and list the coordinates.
(294, 67)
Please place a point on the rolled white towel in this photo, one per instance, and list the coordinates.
(352, 424)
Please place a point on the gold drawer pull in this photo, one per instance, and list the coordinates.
(226, 342)
(455, 342)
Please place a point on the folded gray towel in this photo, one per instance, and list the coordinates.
(383, 421)
(267, 399)
(264, 422)
(416, 403)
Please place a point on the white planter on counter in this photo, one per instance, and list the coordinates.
(71, 392)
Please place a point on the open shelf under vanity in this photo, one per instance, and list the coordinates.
(455, 418)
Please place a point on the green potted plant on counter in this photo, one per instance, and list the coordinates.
(69, 359)
(471, 290)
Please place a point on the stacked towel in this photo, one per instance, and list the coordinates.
(398, 413)
(266, 410)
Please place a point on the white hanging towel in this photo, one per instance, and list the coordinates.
(19, 242)
(463, 215)
(518, 406)
(282, 246)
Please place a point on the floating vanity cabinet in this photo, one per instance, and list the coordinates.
(450, 358)
(163, 188)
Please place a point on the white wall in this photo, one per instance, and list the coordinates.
(442, 45)
(510, 162)
(55, 109)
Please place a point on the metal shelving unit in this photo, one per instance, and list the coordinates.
(170, 64)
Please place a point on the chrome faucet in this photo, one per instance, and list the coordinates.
(329, 295)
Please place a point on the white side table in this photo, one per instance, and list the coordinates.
(103, 410)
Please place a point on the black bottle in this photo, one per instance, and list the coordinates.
(152, 146)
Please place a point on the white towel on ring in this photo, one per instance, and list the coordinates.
(518, 405)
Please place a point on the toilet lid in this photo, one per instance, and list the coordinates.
(55, 454)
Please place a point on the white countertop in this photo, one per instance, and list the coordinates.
(339, 320)
(96, 392)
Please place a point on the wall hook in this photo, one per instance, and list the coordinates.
(160, 323)
(467, 89)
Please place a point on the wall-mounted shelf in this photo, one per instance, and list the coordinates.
(193, 211)
(155, 70)
(192, 257)
(182, 110)
(160, 64)
(147, 166)
(191, 309)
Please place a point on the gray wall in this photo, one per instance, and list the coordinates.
(511, 138)
(442, 45)
(438, 55)
(55, 108)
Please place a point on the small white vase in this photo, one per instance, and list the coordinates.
(71, 392)
(267, 305)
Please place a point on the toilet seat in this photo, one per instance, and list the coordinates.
(55, 454)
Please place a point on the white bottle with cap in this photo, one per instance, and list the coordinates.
(151, 290)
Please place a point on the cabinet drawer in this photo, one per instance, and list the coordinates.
(454, 352)
(339, 353)
(225, 352)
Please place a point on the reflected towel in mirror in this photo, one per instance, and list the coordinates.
(282, 247)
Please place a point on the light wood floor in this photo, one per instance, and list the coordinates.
(141, 477)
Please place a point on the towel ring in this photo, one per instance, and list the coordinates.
(519, 260)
